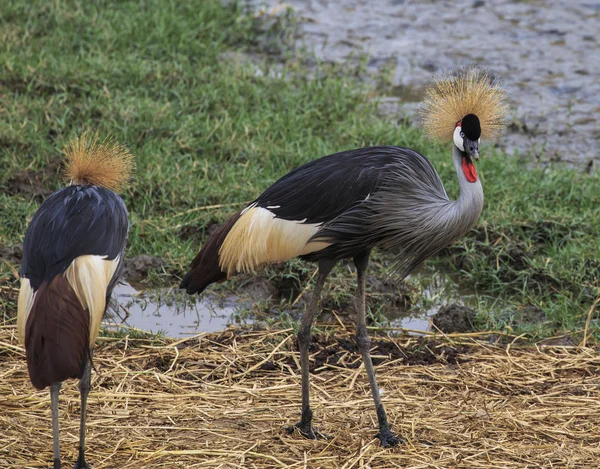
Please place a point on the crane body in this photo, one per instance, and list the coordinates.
(72, 257)
(343, 205)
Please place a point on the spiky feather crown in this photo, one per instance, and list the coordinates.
(89, 160)
(455, 95)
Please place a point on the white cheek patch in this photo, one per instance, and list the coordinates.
(458, 138)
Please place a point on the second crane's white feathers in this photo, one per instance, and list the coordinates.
(89, 277)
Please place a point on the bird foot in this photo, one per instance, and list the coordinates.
(81, 464)
(56, 464)
(307, 431)
(389, 439)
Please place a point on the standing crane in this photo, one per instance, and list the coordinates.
(72, 258)
(343, 205)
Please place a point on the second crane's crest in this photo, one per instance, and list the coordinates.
(89, 160)
(454, 96)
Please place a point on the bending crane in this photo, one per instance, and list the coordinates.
(343, 205)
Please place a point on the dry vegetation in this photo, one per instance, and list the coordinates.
(223, 400)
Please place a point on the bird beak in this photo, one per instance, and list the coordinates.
(472, 149)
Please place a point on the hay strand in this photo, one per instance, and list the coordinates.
(222, 401)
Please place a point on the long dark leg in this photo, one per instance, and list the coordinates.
(386, 436)
(304, 337)
(84, 389)
(54, 391)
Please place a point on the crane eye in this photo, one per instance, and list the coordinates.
(462, 134)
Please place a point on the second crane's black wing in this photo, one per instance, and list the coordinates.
(72, 222)
(323, 189)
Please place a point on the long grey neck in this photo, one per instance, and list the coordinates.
(464, 212)
(412, 215)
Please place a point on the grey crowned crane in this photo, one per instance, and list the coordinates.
(72, 257)
(343, 205)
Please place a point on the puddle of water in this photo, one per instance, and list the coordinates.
(438, 288)
(176, 314)
(168, 311)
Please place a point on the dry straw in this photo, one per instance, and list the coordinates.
(89, 160)
(454, 95)
(223, 400)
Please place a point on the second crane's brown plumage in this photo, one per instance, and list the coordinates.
(72, 257)
(343, 205)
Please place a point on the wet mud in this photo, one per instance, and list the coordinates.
(12, 254)
(545, 52)
(138, 268)
(454, 318)
(37, 185)
(331, 351)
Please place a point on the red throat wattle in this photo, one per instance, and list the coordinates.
(469, 169)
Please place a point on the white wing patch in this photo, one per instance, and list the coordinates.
(89, 277)
(24, 305)
(258, 238)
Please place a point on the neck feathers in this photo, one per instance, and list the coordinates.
(463, 213)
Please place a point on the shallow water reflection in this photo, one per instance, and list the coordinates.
(168, 311)
(172, 312)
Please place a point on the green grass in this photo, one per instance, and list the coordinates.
(197, 91)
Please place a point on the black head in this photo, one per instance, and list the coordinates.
(466, 135)
(471, 127)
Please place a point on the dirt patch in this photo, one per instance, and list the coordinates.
(384, 295)
(9, 285)
(454, 318)
(34, 184)
(564, 341)
(12, 254)
(329, 351)
(138, 267)
(198, 233)
(257, 288)
(529, 315)
(509, 35)
(388, 293)
(334, 351)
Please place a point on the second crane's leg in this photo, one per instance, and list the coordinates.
(386, 436)
(54, 391)
(84, 389)
(304, 338)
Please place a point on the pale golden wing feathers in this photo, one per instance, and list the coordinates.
(259, 238)
(89, 277)
(24, 304)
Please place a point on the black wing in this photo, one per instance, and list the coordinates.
(72, 222)
(323, 189)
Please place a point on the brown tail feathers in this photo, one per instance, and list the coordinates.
(205, 267)
(56, 335)
(89, 160)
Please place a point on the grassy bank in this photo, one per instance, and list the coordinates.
(215, 110)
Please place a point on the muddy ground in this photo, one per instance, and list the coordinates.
(545, 51)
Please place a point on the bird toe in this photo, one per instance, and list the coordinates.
(308, 431)
(389, 439)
